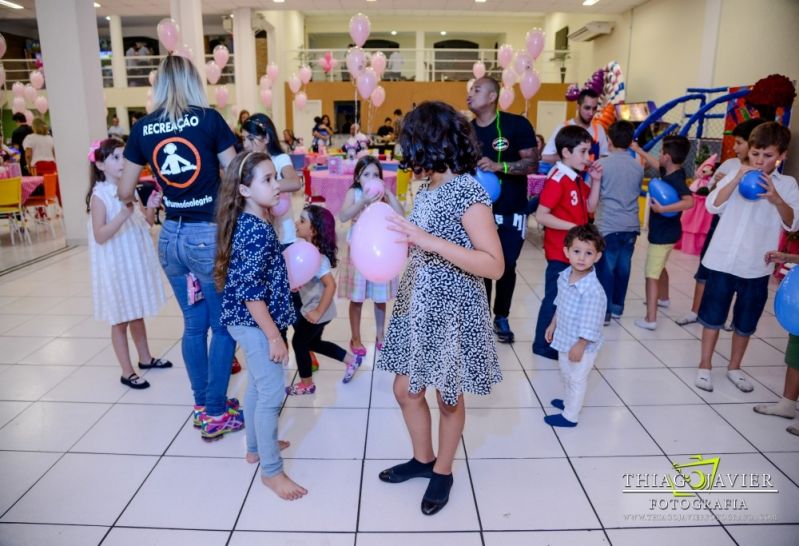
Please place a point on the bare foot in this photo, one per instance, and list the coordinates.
(283, 444)
(253, 458)
(284, 487)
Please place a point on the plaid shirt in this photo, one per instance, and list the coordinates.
(581, 312)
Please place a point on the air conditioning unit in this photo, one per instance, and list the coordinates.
(591, 30)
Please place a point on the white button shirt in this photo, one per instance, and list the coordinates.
(748, 229)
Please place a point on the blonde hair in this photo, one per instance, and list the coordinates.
(177, 87)
(39, 126)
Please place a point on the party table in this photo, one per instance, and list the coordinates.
(695, 225)
(333, 187)
(10, 170)
(29, 185)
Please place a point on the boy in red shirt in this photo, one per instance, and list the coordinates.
(563, 205)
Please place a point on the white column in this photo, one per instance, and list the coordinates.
(71, 50)
(421, 73)
(118, 66)
(244, 60)
(710, 42)
(188, 14)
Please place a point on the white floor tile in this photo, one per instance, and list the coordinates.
(67, 351)
(509, 433)
(388, 438)
(46, 325)
(338, 433)
(169, 386)
(758, 353)
(684, 354)
(514, 391)
(773, 535)
(84, 489)
(9, 322)
(123, 536)
(625, 354)
(545, 538)
(771, 377)
(507, 357)
(89, 384)
(31, 382)
(181, 488)
(14, 349)
(189, 443)
(9, 410)
(19, 471)
(724, 391)
(23, 534)
(788, 463)
(549, 385)
(331, 392)
(767, 432)
(605, 431)
(75, 305)
(650, 387)
(666, 537)
(419, 539)
(259, 538)
(517, 494)
(50, 426)
(396, 506)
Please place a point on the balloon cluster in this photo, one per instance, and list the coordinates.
(517, 66)
(327, 62)
(265, 84)
(366, 78)
(296, 82)
(24, 94)
(607, 82)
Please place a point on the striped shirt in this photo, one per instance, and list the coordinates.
(581, 311)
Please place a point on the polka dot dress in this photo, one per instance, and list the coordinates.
(440, 331)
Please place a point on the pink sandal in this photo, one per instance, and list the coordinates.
(357, 352)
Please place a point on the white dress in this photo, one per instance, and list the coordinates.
(126, 277)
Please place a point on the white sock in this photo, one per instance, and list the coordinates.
(643, 323)
(784, 408)
(702, 380)
(740, 380)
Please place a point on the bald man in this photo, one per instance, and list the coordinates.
(510, 150)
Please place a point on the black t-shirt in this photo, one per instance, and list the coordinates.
(385, 130)
(517, 134)
(662, 229)
(183, 159)
(17, 137)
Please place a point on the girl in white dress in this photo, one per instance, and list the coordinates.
(126, 281)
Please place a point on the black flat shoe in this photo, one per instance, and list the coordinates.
(155, 363)
(406, 471)
(134, 381)
(437, 495)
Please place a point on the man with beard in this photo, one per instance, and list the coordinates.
(587, 106)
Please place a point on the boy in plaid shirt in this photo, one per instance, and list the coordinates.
(576, 329)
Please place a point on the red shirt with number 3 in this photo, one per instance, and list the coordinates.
(565, 194)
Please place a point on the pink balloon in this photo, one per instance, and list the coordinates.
(295, 83)
(375, 249)
(283, 205)
(41, 104)
(505, 55)
(522, 62)
(535, 42)
(379, 63)
(221, 55)
(272, 71)
(300, 100)
(18, 104)
(530, 84)
(266, 98)
(324, 64)
(509, 77)
(28, 117)
(356, 61)
(18, 89)
(367, 82)
(151, 76)
(2, 46)
(302, 262)
(265, 82)
(374, 187)
(168, 33)
(222, 96)
(479, 69)
(506, 96)
(328, 55)
(333, 63)
(378, 96)
(305, 73)
(30, 93)
(185, 52)
(212, 72)
(360, 28)
(37, 79)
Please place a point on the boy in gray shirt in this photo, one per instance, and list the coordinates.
(615, 201)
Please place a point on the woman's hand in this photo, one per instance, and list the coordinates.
(412, 234)
(154, 201)
(278, 352)
(313, 316)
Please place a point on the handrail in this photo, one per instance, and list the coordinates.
(658, 114)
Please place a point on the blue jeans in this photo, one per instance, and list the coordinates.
(185, 247)
(263, 399)
(614, 268)
(547, 310)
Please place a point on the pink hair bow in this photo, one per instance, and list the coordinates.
(93, 148)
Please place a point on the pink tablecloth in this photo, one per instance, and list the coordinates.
(333, 187)
(29, 185)
(695, 225)
(535, 184)
(10, 170)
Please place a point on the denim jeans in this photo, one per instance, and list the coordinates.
(263, 399)
(185, 247)
(547, 310)
(614, 268)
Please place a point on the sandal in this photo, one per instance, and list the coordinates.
(155, 363)
(361, 351)
(134, 381)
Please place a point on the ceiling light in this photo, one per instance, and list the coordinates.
(96, 5)
(278, 1)
(11, 5)
(107, 17)
(443, 32)
(393, 32)
(479, 1)
(589, 2)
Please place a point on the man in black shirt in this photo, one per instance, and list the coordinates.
(510, 150)
(19, 134)
(386, 131)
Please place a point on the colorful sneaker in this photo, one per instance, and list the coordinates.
(300, 389)
(351, 369)
(232, 406)
(314, 363)
(213, 428)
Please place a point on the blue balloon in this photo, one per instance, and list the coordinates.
(786, 302)
(664, 193)
(750, 185)
(490, 183)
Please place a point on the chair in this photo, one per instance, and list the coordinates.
(45, 167)
(46, 206)
(309, 199)
(11, 207)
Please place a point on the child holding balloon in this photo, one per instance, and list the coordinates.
(318, 227)
(367, 188)
(256, 304)
(750, 225)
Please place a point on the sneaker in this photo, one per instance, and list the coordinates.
(232, 405)
(502, 330)
(702, 380)
(351, 369)
(739, 380)
(607, 320)
(689, 318)
(314, 363)
(214, 428)
(299, 389)
(643, 323)
(664, 303)
(615, 315)
(236, 367)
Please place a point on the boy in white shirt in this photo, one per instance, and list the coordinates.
(746, 231)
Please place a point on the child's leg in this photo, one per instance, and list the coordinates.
(328, 348)
(652, 289)
(380, 321)
(790, 394)
(355, 323)
(304, 332)
(451, 421)
(578, 383)
(710, 337)
(119, 340)
(663, 285)
(547, 309)
(656, 256)
(416, 414)
(138, 332)
(699, 290)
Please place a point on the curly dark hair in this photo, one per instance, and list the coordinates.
(588, 233)
(435, 137)
(323, 226)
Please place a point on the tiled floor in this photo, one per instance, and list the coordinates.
(84, 460)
